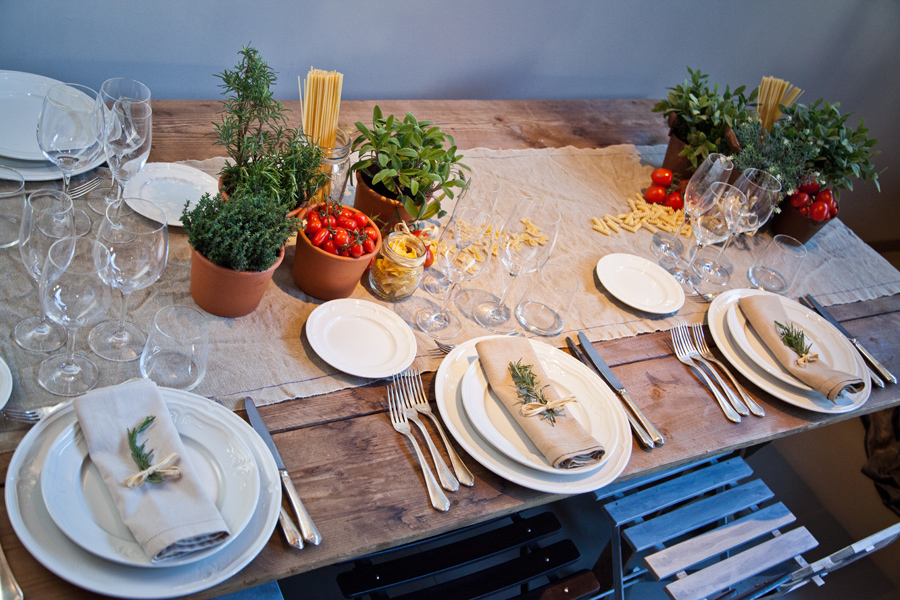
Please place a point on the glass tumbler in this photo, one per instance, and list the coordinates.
(544, 308)
(177, 348)
(12, 202)
(775, 269)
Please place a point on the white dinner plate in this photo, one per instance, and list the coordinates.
(53, 549)
(491, 419)
(449, 401)
(832, 347)
(791, 394)
(5, 383)
(640, 283)
(361, 338)
(82, 507)
(21, 98)
(170, 185)
(34, 170)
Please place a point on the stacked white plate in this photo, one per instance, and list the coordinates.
(744, 349)
(21, 97)
(60, 509)
(169, 186)
(485, 429)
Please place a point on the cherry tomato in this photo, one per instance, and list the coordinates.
(818, 211)
(369, 246)
(341, 237)
(803, 210)
(346, 212)
(826, 196)
(328, 246)
(810, 187)
(832, 211)
(348, 223)
(356, 250)
(361, 220)
(674, 201)
(661, 177)
(429, 257)
(800, 199)
(371, 233)
(655, 194)
(328, 221)
(320, 237)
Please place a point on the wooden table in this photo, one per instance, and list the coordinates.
(359, 479)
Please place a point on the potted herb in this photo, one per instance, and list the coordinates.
(405, 168)
(266, 156)
(237, 245)
(841, 154)
(773, 152)
(701, 121)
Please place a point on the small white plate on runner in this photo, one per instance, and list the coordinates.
(81, 506)
(832, 347)
(497, 426)
(640, 283)
(809, 400)
(361, 338)
(21, 99)
(5, 383)
(170, 185)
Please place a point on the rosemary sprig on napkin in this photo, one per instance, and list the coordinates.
(533, 398)
(795, 339)
(143, 459)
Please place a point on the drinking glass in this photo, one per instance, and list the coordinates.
(715, 168)
(520, 253)
(712, 226)
(47, 217)
(775, 269)
(469, 229)
(762, 191)
(118, 88)
(12, 202)
(177, 348)
(136, 234)
(544, 308)
(75, 293)
(70, 128)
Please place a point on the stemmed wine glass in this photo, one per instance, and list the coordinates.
(70, 128)
(137, 236)
(716, 167)
(762, 191)
(469, 227)
(47, 217)
(521, 253)
(714, 225)
(127, 134)
(74, 293)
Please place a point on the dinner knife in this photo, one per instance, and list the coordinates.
(643, 436)
(827, 316)
(307, 527)
(613, 381)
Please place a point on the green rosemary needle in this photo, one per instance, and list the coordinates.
(527, 389)
(794, 338)
(143, 458)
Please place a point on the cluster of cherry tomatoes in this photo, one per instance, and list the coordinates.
(811, 200)
(664, 191)
(340, 230)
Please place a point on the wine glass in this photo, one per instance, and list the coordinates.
(137, 236)
(712, 226)
(47, 217)
(716, 167)
(75, 293)
(762, 191)
(470, 228)
(525, 244)
(127, 136)
(70, 128)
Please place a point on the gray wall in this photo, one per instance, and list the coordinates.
(844, 50)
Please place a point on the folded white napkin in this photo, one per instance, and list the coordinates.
(168, 519)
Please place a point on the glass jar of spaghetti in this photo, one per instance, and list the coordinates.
(398, 268)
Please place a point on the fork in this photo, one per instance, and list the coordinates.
(85, 188)
(679, 342)
(417, 394)
(32, 415)
(444, 348)
(401, 425)
(700, 344)
(694, 354)
(448, 481)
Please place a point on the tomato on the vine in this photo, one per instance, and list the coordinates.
(800, 199)
(674, 201)
(361, 220)
(655, 194)
(429, 257)
(320, 237)
(810, 187)
(368, 246)
(341, 237)
(661, 177)
(818, 211)
(328, 246)
(356, 250)
(348, 223)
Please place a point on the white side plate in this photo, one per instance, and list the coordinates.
(170, 185)
(640, 283)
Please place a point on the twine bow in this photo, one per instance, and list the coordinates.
(807, 358)
(534, 409)
(165, 468)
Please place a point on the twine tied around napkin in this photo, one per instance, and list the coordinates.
(565, 445)
(164, 469)
(795, 339)
(534, 400)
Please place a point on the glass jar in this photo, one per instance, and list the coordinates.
(336, 164)
(399, 266)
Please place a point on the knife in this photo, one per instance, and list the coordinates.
(613, 381)
(307, 528)
(825, 315)
(642, 435)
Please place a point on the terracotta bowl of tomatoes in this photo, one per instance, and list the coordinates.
(805, 212)
(334, 247)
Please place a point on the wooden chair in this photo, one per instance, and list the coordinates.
(482, 561)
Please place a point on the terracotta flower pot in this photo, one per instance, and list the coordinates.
(800, 227)
(381, 209)
(226, 292)
(324, 275)
(680, 166)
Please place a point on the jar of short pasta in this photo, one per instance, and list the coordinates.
(399, 266)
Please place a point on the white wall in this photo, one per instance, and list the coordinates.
(844, 50)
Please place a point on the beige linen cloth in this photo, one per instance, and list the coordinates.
(762, 311)
(566, 444)
(169, 519)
